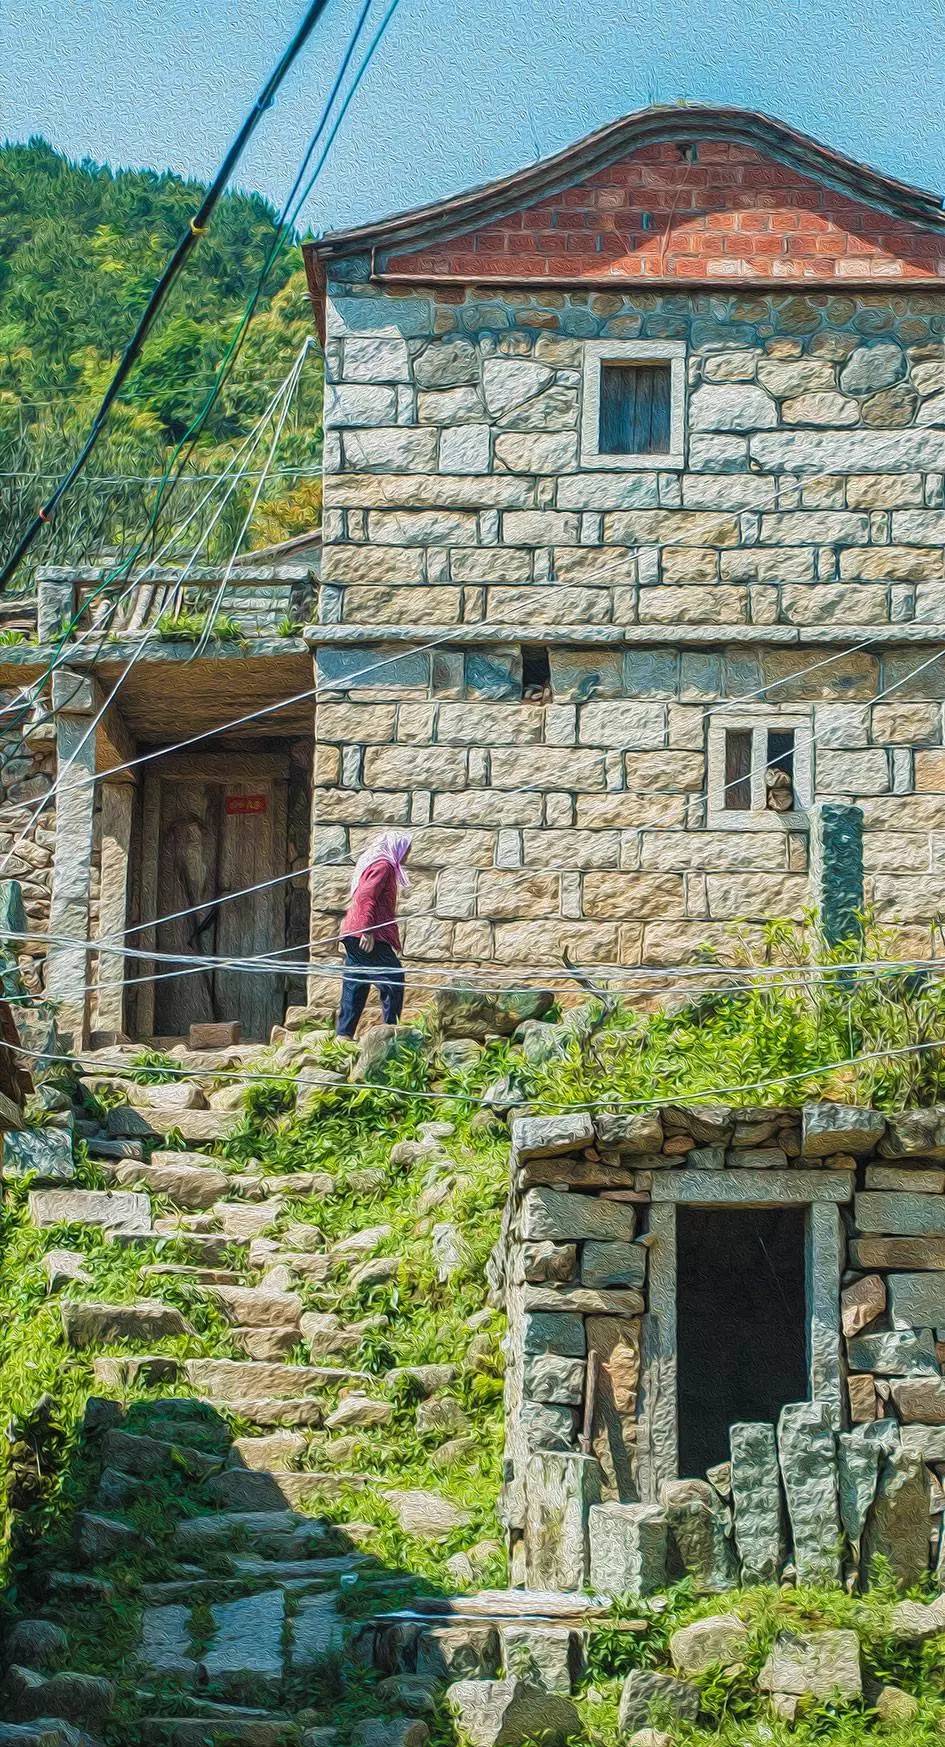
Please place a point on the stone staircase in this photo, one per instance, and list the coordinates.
(206, 1516)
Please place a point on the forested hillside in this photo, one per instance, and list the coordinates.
(80, 248)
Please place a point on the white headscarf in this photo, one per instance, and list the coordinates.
(392, 847)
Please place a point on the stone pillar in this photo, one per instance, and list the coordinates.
(74, 697)
(117, 812)
(55, 602)
(836, 868)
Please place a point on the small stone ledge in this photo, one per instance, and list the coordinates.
(622, 636)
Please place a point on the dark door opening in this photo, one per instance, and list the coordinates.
(741, 1323)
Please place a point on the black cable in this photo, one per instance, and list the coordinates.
(188, 241)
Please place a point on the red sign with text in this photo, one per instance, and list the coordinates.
(247, 803)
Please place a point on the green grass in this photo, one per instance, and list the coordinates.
(782, 1038)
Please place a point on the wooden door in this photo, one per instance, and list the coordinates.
(252, 850)
(218, 836)
(186, 876)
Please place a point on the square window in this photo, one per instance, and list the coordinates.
(633, 404)
(759, 771)
(634, 409)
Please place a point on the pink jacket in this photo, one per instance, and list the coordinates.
(373, 905)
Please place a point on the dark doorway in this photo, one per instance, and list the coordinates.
(741, 1323)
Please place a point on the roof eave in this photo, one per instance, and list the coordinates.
(677, 124)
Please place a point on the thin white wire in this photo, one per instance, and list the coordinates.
(214, 608)
(67, 652)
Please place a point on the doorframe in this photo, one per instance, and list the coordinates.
(216, 767)
(820, 1192)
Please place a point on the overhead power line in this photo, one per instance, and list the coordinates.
(195, 229)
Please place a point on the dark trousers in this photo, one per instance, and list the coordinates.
(382, 967)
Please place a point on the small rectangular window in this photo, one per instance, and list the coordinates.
(737, 796)
(779, 770)
(536, 674)
(635, 402)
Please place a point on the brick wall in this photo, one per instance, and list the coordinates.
(712, 210)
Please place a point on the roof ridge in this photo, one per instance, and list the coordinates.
(658, 123)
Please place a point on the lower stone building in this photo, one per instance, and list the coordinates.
(723, 1351)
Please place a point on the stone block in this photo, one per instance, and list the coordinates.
(699, 1534)
(897, 1527)
(911, 1179)
(920, 1400)
(547, 1213)
(548, 1377)
(916, 1301)
(606, 1265)
(550, 1136)
(719, 1640)
(43, 1154)
(628, 1548)
(246, 1645)
(615, 1341)
(508, 1713)
(646, 1693)
(731, 407)
(466, 1652)
(839, 1128)
(897, 1252)
(900, 1215)
(816, 1665)
(557, 1333)
(124, 1213)
(862, 1303)
(902, 1352)
(559, 1493)
(861, 1394)
(808, 1465)
(548, 1657)
(548, 1426)
(756, 1502)
(545, 1262)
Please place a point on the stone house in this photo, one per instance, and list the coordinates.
(633, 555)
(634, 462)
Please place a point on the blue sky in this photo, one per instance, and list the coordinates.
(462, 90)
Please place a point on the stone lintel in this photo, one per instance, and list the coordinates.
(623, 636)
(737, 1188)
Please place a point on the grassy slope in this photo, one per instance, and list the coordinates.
(428, 1321)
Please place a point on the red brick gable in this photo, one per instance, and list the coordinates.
(712, 210)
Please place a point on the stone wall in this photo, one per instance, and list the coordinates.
(27, 771)
(811, 490)
(587, 1272)
(582, 821)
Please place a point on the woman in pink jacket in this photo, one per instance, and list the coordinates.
(369, 933)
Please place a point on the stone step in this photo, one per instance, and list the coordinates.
(144, 1370)
(209, 1249)
(204, 1732)
(290, 1571)
(255, 1307)
(88, 1323)
(246, 1645)
(270, 1411)
(140, 1121)
(266, 1344)
(247, 1219)
(85, 1698)
(283, 1533)
(255, 1489)
(121, 1211)
(47, 1732)
(233, 1379)
(278, 1450)
(138, 1454)
(168, 1173)
(164, 1645)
